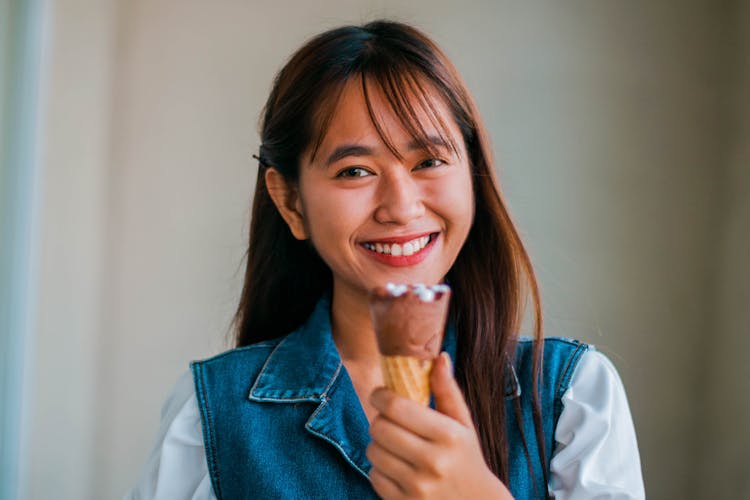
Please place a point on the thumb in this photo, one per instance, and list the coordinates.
(448, 397)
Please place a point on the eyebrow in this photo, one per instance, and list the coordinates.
(357, 150)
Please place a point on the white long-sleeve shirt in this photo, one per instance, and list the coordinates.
(595, 455)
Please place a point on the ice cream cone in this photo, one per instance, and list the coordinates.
(409, 321)
(408, 376)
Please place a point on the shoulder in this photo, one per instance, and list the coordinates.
(238, 361)
(526, 342)
(556, 345)
(230, 374)
(596, 382)
(561, 356)
(248, 353)
(595, 362)
(573, 363)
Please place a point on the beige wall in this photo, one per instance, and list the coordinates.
(609, 121)
(723, 431)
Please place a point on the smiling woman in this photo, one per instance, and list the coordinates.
(375, 168)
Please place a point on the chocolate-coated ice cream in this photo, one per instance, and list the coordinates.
(409, 320)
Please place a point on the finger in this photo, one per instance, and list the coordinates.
(391, 465)
(400, 442)
(410, 415)
(384, 485)
(449, 400)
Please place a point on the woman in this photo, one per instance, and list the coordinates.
(375, 167)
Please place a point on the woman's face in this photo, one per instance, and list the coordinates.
(374, 218)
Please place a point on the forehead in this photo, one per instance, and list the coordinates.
(364, 114)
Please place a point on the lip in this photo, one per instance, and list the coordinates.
(401, 239)
(402, 260)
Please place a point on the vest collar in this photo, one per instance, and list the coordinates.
(304, 365)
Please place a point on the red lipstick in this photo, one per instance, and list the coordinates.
(402, 260)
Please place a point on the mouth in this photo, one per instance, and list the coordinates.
(401, 252)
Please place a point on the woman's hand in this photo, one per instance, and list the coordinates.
(417, 452)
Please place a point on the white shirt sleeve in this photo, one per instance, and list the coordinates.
(176, 468)
(596, 454)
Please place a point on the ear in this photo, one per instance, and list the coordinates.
(286, 198)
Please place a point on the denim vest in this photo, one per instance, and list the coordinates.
(281, 418)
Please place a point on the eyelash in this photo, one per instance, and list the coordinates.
(350, 169)
(342, 173)
(438, 160)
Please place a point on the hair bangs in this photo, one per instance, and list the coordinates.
(322, 116)
(410, 97)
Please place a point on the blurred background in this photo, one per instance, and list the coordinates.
(622, 134)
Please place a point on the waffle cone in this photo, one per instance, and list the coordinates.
(408, 376)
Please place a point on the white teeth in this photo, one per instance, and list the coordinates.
(408, 248)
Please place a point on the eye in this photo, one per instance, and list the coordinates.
(353, 172)
(431, 162)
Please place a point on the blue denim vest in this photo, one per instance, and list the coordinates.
(281, 418)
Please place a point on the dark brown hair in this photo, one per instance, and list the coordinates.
(492, 275)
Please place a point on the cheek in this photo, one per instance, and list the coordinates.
(333, 215)
(453, 197)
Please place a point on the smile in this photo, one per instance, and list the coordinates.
(396, 249)
(405, 253)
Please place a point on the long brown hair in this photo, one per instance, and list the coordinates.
(492, 275)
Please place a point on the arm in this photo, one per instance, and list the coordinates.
(596, 453)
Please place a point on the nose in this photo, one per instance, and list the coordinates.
(399, 199)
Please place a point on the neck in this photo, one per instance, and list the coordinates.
(352, 328)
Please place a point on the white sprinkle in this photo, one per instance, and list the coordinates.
(426, 295)
(396, 290)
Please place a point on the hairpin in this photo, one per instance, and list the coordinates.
(261, 161)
